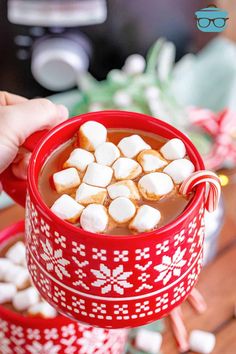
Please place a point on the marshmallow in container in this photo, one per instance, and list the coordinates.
(17, 275)
(80, 159)
(132, 146)
(65, 180)
(179, 170)
(92, 134)
(174, 149)
(155, 185)
(125, 168)
(87, 194)
(98, 175)
(146, 219)
(107, 153)
(5, 264)
(25, 298)
(16, 253)
(202, 342)
(7, 292)
(151, 160)
(66, 208)
(124, 188)
(94, 218)
(148, 341)
(42, 309)
(121, 210)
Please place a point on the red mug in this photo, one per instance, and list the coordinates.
(111, 281)
(59, 335)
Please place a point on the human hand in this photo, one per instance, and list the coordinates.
(19, 118)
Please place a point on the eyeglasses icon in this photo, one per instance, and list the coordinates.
(206, 22)
(211, 19)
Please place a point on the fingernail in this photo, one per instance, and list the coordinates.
(62, 111)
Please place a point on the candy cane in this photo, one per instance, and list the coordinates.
(179, 329)
(213, 189)
(197, 301)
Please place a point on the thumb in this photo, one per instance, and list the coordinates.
(34, 115)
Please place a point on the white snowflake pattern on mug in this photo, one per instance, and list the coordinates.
(54, 260)
(108, 280)
(170, 266)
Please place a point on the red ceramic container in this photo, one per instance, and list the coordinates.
(111, 281)
(22, 335)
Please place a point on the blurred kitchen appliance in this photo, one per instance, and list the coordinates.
(50, 36)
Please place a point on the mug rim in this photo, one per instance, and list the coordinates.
(15, 317)
(46, 211)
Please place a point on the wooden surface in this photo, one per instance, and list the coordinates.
(217, 283)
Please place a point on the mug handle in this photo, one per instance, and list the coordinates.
(13, 186)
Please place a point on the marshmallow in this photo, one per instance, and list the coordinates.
(125, 168)
(25, 298)
(179, 170)
(202, 342)
(151, 160)
(66, 179)
(7, 292)
(98, 175)
(146, 219)
(121, 210)
(17, 253)
(17, 275)
(94, 218)
(5, 264)
(107, 153)
(91, 135)
(148, 341)
(173, 149)
(132, 146)
(66, 208)
(134, 64)
(42, 309)
(124, 188)
(154, 185)
(80, 159)
(86, 194)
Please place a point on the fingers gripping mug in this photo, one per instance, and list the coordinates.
(111, 281)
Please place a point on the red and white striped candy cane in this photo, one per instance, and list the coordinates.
(213, 189)
(179, 329)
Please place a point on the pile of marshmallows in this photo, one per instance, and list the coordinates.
(100, 169)
(16, 287)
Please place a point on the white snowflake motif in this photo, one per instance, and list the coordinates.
(192, 226)
(109, 280)
(33, 334)
(171, 266)
(142, 253)
(121, 256)
(99, 254)
(47, 348)
(162, 247)
(54, 260)
(45, 228)
(5, 344)
(78, 248)
(91, 341)
(60, 239)
(3, 326)
(179, 237)
(201, 235)
(51, 333)
(68, 330)
(17, 331)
